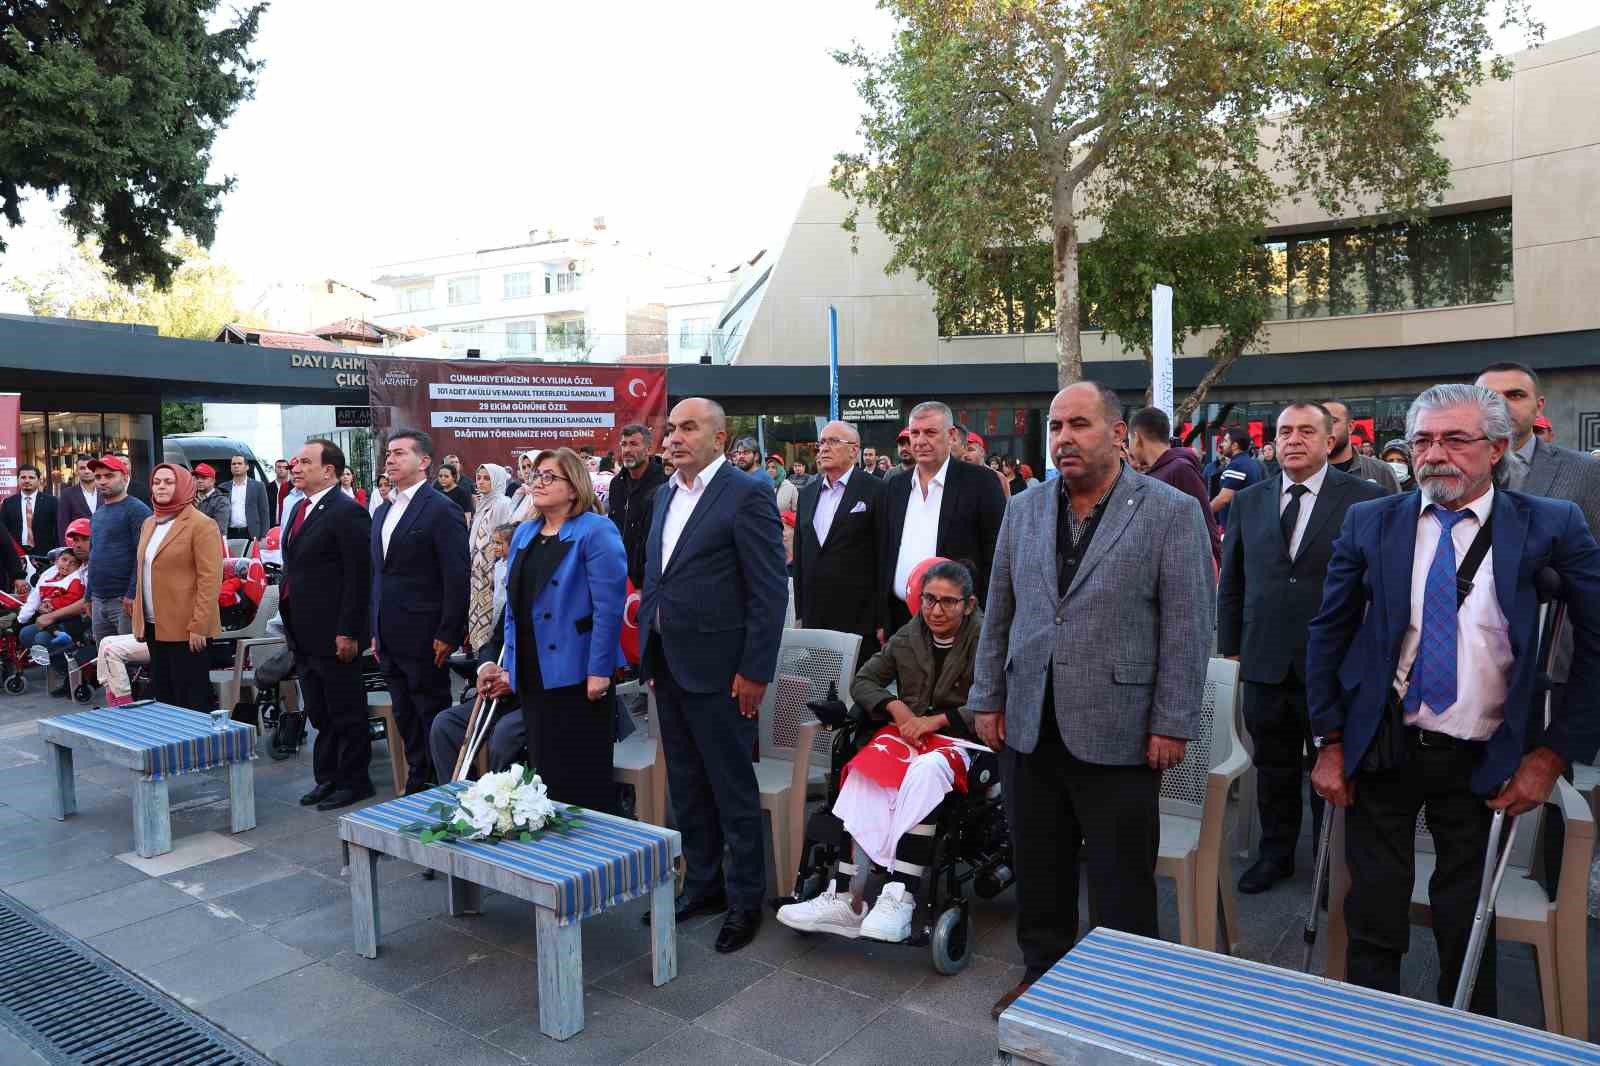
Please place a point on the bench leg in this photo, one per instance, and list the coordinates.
(560, 976)
(64, 792)
(364, 899)
(242, 796)
(152, 820)
(663, 934)
(466, 897)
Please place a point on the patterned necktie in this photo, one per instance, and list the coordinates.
(27, 521)
(1433, 674)
(1291, 516)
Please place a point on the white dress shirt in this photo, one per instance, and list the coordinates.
(1483, 639)
(684, 501)
(398, 499)
(237, 497)
(157, 535)
(29, 501)
(828, 499)
(919, 539)
(1308, 500)
(91, 498)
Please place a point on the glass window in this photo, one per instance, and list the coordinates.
(31, 450)
(416, 298)
(566, 337)
(516, 285)
(462, 291)
(520, 336)
(693, 334)
(569, 281)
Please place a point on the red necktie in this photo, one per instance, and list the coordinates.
(300, 511)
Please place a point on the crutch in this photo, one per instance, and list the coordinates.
(1318, 879)
(478, 723)
(1496, 859)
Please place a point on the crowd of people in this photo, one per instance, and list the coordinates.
(1065, 625)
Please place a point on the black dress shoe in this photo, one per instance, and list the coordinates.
(1263, 875)
(318, 794)
(687, 908)
(738, 929)
(343, 797)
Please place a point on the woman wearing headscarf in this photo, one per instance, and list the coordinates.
(178, 575)
(493, 510)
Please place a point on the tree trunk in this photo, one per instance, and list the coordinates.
(1223, 355)
(1069, 343)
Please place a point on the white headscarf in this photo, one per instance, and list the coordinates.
(493, 510)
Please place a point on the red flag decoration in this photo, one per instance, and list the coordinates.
(630, 625)
(885, 758)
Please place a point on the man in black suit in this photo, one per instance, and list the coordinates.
(78, 500)
(419, 594)
(944, 507)
(30, 515)
(631, 493)
(715, 595)
(836, 535)
(324, 597)
(1274, 559)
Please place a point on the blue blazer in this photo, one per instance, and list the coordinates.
(722, 597)
(577, 615)
(1353, 648)
(419, 590)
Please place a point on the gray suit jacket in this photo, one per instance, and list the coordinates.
(1369, 469)
(1563, 474)
(1129, 641)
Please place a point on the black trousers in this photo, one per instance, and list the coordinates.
(1280, 729)
(178, 676)
(715, 800)
(1063, 804)
(507, 740)
(1380, 847)
(899, 614)
(569, 744)
(336, 705)
(419, 691)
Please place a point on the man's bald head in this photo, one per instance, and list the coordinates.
(837, 448)
(697, 432)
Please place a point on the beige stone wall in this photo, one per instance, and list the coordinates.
(1533, 140)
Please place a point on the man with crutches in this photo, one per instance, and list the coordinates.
(1421, 674)
(491, 722)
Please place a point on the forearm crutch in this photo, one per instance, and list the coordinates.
(478, 725)
(1318, 879)
(1495, 861)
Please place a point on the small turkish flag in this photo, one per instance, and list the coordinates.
(888, 754)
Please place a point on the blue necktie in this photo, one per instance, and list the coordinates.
(1433, 674)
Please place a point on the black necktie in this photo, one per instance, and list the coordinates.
(1291, 516)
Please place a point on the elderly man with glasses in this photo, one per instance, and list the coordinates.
(837, 529)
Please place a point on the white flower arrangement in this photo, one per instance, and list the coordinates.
(510, 805)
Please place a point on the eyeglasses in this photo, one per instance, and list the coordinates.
(944, 603)
(1452, 442)
(835, 442)
(547, 478)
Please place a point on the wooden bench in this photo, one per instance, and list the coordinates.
(567, 877)
(156, 742)
(1119, 998)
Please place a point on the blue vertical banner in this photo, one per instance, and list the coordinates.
(833, 363)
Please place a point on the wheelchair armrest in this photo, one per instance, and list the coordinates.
(241, 651)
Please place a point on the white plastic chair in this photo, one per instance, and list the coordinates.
(239, 548)
(794, 749)
(638, 761)
(1194, 808)
(230, 681)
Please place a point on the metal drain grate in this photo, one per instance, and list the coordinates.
(73, 1006)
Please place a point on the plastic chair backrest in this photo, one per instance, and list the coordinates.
(258, 625)
(1183, 788)
(239, 547)
(809, 662)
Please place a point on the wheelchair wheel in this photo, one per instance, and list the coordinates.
(952, 941)
(83, 693)
(16, 684)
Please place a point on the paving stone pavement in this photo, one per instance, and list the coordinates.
(259, 942)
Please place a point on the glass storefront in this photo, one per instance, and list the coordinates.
(55, 441)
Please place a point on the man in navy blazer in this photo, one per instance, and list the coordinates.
(715, 595)
(419, 594)
(1391, 637)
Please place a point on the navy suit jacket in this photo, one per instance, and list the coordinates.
(419, 590)
(1353, 648)
(327, 575)
(722, 597)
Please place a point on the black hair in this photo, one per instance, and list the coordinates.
(419, 440)
(1240, 437)
(29, 466)
(1506, 366)
(958, 574)
(1151, 423)
(332, 455)
(635, 429)
(507, 530)
(1327, 415)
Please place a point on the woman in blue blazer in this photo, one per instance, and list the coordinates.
(566, 582)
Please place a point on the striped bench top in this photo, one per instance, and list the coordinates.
(156, 739)
(600, 863)
(1150, 1001)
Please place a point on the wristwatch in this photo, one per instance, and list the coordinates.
(1335, 737)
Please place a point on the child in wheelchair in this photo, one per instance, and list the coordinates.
(54, 619)
(914, 804)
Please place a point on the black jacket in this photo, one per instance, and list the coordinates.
(44, 521)
(835, 582)
(1266, 602)
(628, 503)
(969, 522)
(327, 573)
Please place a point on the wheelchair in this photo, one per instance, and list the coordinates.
(965, 842)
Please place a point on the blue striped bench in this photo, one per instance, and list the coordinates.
(567, 877)
(1119, 998)
(156, 742)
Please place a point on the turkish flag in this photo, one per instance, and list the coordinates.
(630, 625)
(887, 755)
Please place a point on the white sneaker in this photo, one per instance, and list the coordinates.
(39, 655)
(890, 920)
(827, 913)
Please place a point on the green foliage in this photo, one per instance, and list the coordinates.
(1179, 126)
(178, 416)
(115, 107)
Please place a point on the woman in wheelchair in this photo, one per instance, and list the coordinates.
(899, 778)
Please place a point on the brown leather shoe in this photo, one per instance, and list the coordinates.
(1009, 998)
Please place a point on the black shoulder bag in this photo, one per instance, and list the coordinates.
(1391, 746)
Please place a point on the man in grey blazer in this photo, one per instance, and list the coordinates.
(1091, 668)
